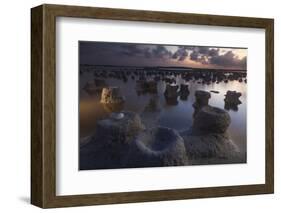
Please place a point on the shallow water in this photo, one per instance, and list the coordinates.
(177, 116)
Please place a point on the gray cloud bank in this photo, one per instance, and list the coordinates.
(107, 53)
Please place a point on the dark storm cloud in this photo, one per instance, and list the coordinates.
(194, 55)
(206, 51)
(123, 53)
(181, 54)
(203, 59)
(203, 50)
(206, 55)
(228, 59)
(213, 52)
(161, 52)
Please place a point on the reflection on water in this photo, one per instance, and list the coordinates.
(155, 108)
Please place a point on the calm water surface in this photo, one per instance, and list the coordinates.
(178, 116)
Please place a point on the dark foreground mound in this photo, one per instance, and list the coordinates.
(212, 120)
(210, 149)
(111, 141)
(157, 147)
(207, 142)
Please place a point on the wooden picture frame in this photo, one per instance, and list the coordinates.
(43, 105)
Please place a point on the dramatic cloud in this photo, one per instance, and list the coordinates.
(161, 52)
(181, 54)
(211, 56)
(228, 59)
(213, 52)
(203, 50)
(194, 56)
(110, 53)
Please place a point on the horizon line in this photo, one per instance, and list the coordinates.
(165, 67)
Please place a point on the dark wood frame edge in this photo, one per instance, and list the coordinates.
(43, 105)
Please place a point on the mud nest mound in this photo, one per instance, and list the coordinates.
(211, 119)
(157, 147)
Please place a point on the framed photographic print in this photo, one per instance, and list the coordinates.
(136, 106)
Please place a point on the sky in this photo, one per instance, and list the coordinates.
(132, 54)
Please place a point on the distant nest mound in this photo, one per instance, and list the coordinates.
(111, 95)
(232, 100)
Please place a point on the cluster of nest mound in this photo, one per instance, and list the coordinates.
(122, 141)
